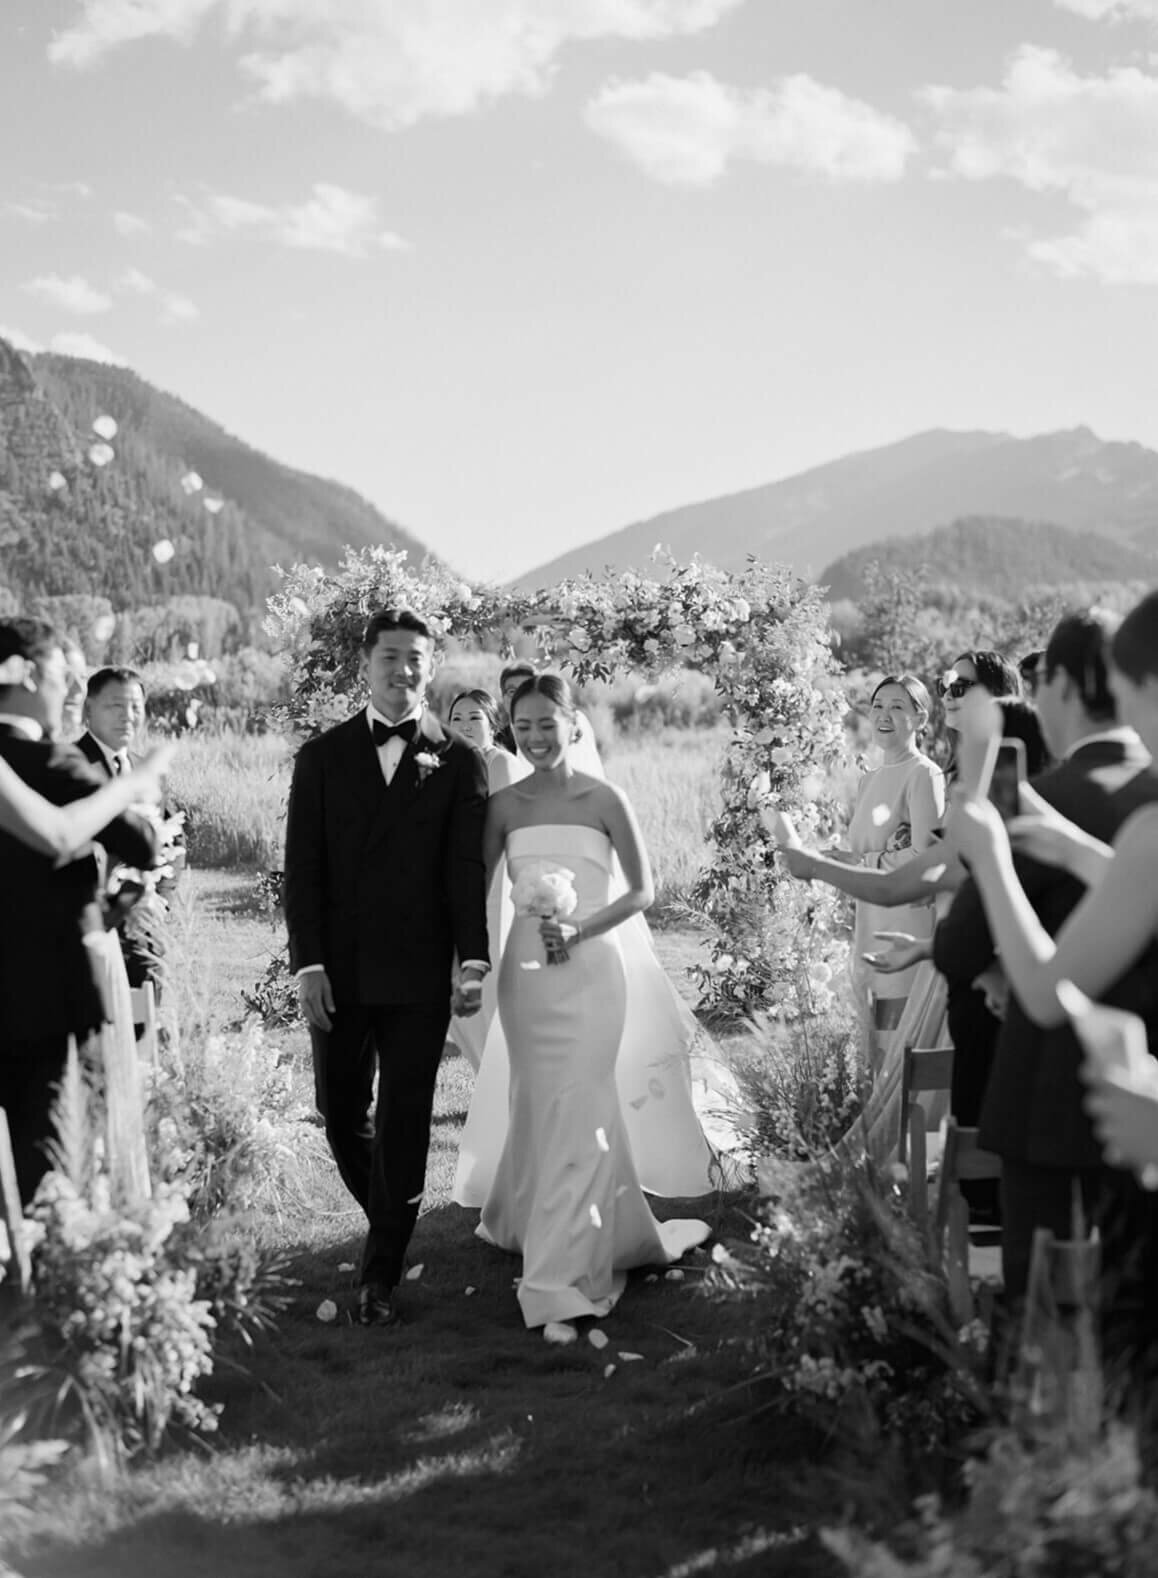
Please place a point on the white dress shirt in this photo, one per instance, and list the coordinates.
(116, 761)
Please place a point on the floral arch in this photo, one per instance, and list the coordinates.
(760, 634)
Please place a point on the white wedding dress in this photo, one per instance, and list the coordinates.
(564, 1190)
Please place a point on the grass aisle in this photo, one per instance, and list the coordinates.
(460, 1443)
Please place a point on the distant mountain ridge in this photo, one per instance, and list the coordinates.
(1071, 478)
(987, 556)
(68, 525)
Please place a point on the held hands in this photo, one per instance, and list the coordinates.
(316, 999)
(902, 954)
(466, 996)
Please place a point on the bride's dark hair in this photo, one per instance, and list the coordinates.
(557, 690)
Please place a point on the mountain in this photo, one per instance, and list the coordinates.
(986, 555)
(1070, 478)
(71, 524)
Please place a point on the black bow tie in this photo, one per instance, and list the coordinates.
(404, 731)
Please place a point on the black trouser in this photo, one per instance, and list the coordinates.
(382, 1159)
(30, 1072)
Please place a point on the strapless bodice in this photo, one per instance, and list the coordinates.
(584, 851)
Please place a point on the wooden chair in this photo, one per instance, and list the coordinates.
(923, 1070)
(144, 1001)
(11, 1211)
(963, 1160)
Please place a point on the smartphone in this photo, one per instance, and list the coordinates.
(1007, 778)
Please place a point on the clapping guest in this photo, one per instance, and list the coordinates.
(49, 987)
(899, 806)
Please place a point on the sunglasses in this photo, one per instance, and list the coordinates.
(955, 687)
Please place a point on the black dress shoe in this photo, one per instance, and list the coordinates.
(376, 1305)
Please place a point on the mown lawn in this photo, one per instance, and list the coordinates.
(460, 1443)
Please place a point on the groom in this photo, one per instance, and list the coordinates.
(384, 885)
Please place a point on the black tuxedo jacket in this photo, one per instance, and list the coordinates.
(383, 885)
(47, 984)
(1033, 1105)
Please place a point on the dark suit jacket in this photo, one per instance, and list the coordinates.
(383, 885)
(47, 985)
(1033, 1106)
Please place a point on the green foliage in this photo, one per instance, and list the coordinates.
(93, 531)
(804, 1083)
(982, 556)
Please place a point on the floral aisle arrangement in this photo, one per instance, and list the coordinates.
(849, 1310)
(762, 637)
(131, 1298)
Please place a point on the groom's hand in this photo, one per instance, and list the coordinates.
(316, 998)
(467, 996)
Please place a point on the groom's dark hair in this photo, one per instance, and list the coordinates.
(394, 619)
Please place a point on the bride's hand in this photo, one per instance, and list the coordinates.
(559, 938)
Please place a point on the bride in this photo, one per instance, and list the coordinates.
(564, 1191)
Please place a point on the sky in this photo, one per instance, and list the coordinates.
(526, 271)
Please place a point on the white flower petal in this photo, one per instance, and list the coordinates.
(597, 1338)
(327, 1310)
(415, 1272)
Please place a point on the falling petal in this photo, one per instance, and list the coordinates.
(934, 874)
(469, 1292)
(105, 427)
(608, 1371)
(214, 506)
(327, 1310)
(601, 1140)
(530, 964)
(881, 814)
(596, 1218)
(101, 454)
(558, 1331)
(415, 1272)
(674, 1276)
(346, 1265)
(191, 482)
(57, 480)
(163, 551)
(630, 1358)
(597, 1338)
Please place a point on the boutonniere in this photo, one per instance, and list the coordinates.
(427, 762)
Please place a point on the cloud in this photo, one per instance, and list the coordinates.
(1093, 140)
(85, 347)
(175, 308)
(331, 219)
(34, 213)
(19, 341)
(687, 130)
(73, 294)
(1112, 10)
(389, 64)
(127, 224)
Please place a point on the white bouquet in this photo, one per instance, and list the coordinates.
(546, 891)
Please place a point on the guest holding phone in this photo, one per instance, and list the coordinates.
(1032, 1115)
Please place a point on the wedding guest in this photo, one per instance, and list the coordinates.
(49, 989)
(113, 714)
(937, 1010)
(511, 676)
(1033, 1114)
(72, 715)
(899, 806)
(475, 716)
(1027, 668)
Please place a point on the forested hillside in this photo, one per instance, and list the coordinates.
(996, 557)
(80, 513)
